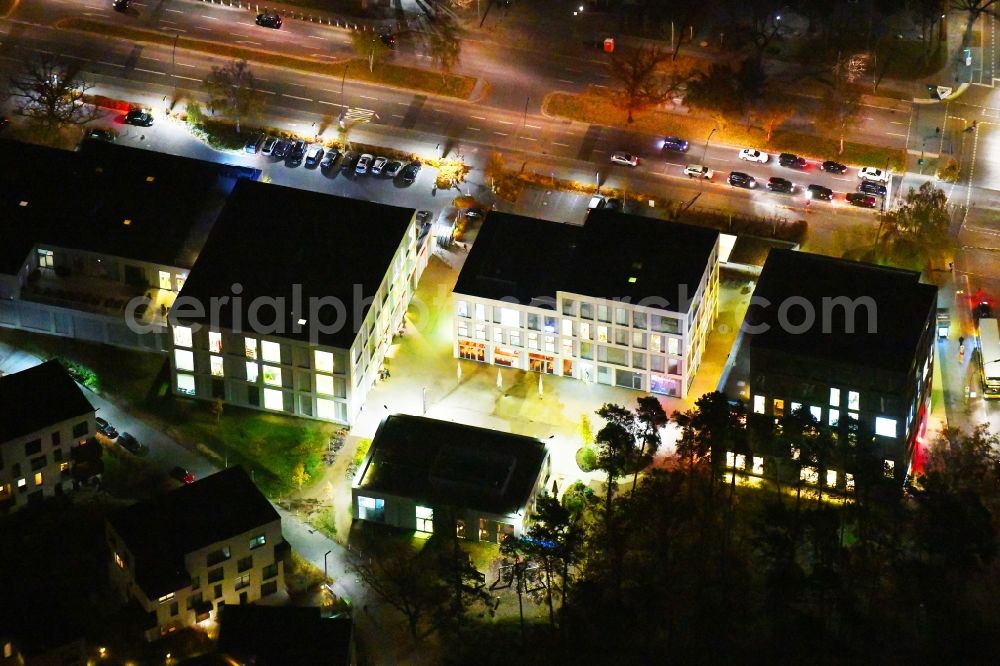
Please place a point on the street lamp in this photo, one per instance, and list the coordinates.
(423, 400)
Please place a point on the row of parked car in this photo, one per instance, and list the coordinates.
(132, 445)
(297, 151)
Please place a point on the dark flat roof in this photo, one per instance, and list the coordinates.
(269, 238)
(161, 531)
(903, 306)
(35, 398)
(284, 636)
(440, 462)
(80, 200)
(612, 256)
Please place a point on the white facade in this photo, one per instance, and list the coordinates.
(613, 342)
(38, 465)
(242, 569)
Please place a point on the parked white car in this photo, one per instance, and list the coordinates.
(698, 171)
(871, 173)
(754, 155)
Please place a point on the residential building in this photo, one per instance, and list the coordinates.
(181, 557)
(436, 476)
(851, 344)
(623, 300)
(294, 301)
(45, 415)
(85, 234)
(285, 636)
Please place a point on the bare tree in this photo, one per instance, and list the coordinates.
(840, 105)
(641, 83)
(445, 44)
(51, 96)
(233, 91)
(369, 45)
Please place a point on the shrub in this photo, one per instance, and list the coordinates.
(586, 458)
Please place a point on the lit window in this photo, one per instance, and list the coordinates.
(758, 404)
(602, 333)
(584, 330)
(250, 347)
(510, 318)
(730, 459)
(119, 561)
(656, 343)
(480, 331)
(567, 327)
(795, 453)
(325, 409)
(849, 482)
(831, 478)
(498, 334)
(463, 329)
(816, 412)
(741, 461)
(834, 417)
(324, 361)
(480, 311)
(796, 406)
(217, 366)
(425, 519)
(809, 475)
(38, 478)
(184, 359)
(215, 342)
(758, 465)
(532, 340)
(835, 397)
(182, 336)
(567, 347)
(185, 384)
(672, 346)
(166, 597)
(885, 427)
(853, 400)
(64, 467)
(257, 541)
(273, 399)
(252, 370)
(463, 308)
(21, 483)
(324, 384)
(889, 468)
(779, 407)
(270, 351)
(852, 415)
(272, 375)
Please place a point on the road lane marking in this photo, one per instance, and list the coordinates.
(247, 41)
(500, 133)
(109, 64)
(184, 64)
(149, 58)
(528, 138)
(66, 55)
(315, 37)
(474, 129)
(403, 103)
(564, 145)
(304, 99)
(186, 78)
(477, 117)
(322, 101)
(398, 115)
(895, 134)
(505, 122)
(565, 81)
(268, 92)
(300, 85)
(896, 122)
(368, 97)
(174, 11)
(149, 71)
(172, 29)
(533, 126)
(210, 18)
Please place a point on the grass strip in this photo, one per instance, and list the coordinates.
(399, 76)
(599, 110)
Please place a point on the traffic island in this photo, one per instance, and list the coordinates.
(355, 69)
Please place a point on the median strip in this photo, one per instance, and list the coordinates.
(355, 69)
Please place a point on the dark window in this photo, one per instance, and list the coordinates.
(270, 571)
(33, 447)
(215, 575)
(244, 563)
(242, 582)
(57, 454)
(217, 556)
(218, 593)
(253, 396)
(174, 608)
(56, 438)
(16, 469)
(80, 429)
(218, 388)
(194, 600)
(195, 583)
(268, 588)
(38, 463)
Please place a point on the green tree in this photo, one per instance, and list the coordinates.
(50, 96)
(585, 430)
(554, 540)
(233, 91)
(917, 231)
(650, 419)
(615, 447)
(714, 427)
(216, 407)
(299, 475)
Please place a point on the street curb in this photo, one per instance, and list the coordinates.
(962, 87)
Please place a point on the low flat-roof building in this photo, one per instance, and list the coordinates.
(431, 476)
(285, 636)
(181, 557)
(86, 232)
(623, 300)
(300, 295)
(850, 343)
(43, 415)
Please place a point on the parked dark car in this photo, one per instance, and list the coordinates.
(121, 5)
(871, 187)
(614, 203)
(130, 443)
(782, 185)
(297, 152)
(182, 475)
(388, 39)
(139, 117)
(106, 428)
(329, 159)
(4, 121)
(819, 192)
(102, 134)
(861, 199)
(833, 167)
(253, 144)
(281, 149)
(982, 310)
(409, 173)
(269, 19)
(349, 162)
(740, 179)
(791, 160)
(675, 144)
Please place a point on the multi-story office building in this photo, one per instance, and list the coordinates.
(851, 344)
(623, 300)
(181, 557)
(44, 414)
(294, 301)
(436, 476)
(123, 224)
